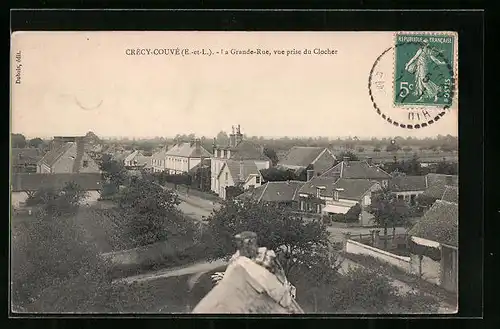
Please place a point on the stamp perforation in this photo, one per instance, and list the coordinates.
(439, 115)
(454, 99)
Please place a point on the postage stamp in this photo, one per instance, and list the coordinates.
(414, 83)
(423, 69)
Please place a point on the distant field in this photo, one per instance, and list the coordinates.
(389, 156)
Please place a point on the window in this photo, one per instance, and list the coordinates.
(336, 195)
(226, 176)
(367, 200)
(85, 163)
(257, 180)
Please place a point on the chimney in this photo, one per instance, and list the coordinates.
(369, 161)
(310, 174)
(346, 160)
(232, 138)
(214, 146)
(241, 171)
(238, 136)
(197, 143)
(246, 243)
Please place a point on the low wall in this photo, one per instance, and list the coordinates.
(354, 247)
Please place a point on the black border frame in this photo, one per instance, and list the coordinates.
(469, 24)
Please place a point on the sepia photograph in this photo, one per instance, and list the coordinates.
(234, 172)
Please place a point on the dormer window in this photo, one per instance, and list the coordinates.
(336, 193)
(85, 163)
(318, 191)
(257, 180)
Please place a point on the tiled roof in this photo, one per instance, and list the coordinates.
(248, 288)
(450, 194)
(33, 181)
(132, 156)
(310, 187)
(356, 170)
(274, 192)
(442, 191)
(188, 150)
(439, 224)
(21, 156)
(249, 168)
(407, 183)
(351, 189)
(301, 156)
(160, 155)
(247, 150)
(51, 157)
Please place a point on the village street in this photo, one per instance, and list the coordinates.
(198, 208)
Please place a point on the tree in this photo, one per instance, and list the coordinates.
(150, 213)
(278, 175)
(54, 268)
(113, 172)
(277, 228)
(350, 154)
(54, 202)
(407, 149)
(36, 142)
(353, 213)
(271, 154)
(446, 168)
(377, 149)
(233, 191)
(361, 149)
(393, 147)
(201, 178)
(18, 140)
(222, 138)
(388, 210)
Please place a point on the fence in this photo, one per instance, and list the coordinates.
(402, 262)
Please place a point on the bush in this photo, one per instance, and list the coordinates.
(54, 269)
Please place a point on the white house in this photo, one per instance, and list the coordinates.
(233, 173)
(238, 150)
(159, 160)
(136, 160)
(183, 157)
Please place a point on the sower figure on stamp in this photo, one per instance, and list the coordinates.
(418, 65)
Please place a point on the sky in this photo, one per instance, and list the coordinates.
(75, 82)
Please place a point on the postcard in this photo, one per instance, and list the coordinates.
(234, 172)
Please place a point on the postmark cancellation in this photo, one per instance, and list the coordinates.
(415, 83)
